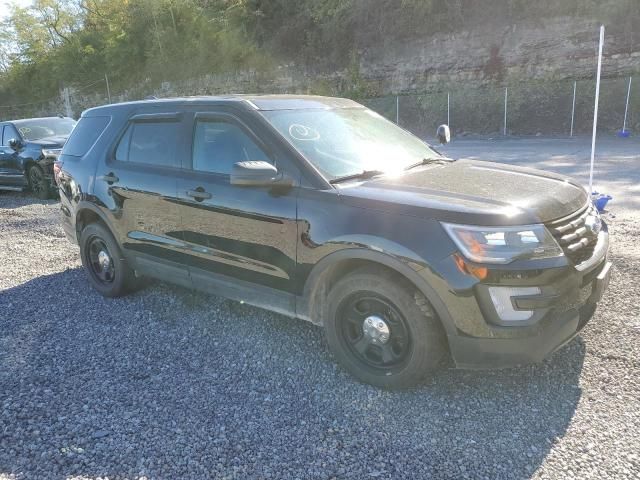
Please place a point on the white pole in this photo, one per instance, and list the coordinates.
(573, 109)
(397, 109)
(626, 108)
(449, 109)
(595, 110)
(506, 95)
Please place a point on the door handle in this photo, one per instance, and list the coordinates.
(110, 178)
(198, 194)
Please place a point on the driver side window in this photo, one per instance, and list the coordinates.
(218, 145)
(9, 133)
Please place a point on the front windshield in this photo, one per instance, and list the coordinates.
(344, 142)
(39, 128)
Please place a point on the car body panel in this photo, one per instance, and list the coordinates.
(247, 234)
(472, 192)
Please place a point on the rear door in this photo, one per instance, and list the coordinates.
(138, 181)
(237, 234)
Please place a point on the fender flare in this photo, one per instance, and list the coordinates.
(85, 205)
(305, 305)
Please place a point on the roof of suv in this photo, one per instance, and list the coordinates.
(257, 102)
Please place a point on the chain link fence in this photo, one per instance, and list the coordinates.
(532, 108)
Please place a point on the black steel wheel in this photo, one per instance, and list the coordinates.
(38, 183)
(381, 329)
(100, 261)
(108, 271)
(374, 330)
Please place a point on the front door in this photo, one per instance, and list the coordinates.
(236, 234)
(11, 175)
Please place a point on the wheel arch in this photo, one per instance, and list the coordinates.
(87, 213)
(335, 265)
(27, 164)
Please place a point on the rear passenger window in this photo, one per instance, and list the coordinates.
(153, 143)
(217, 145)
(84, 135)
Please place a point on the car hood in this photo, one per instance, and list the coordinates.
(471, 192)
(57, 141)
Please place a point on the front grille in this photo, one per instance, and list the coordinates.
(576, 240)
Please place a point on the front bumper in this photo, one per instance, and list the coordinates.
(568, 301)
(47, 168)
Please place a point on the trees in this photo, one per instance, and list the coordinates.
(75, 42)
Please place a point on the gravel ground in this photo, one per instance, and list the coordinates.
(172, 384)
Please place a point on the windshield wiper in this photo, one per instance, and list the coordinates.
(360, 175)
(427, 161)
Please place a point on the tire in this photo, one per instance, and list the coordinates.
(108, 271)
(38, 184)
(398, 353)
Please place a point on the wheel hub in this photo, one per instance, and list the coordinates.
(104, 260)
(376, 329)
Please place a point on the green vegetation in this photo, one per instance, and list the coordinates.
(54, 43)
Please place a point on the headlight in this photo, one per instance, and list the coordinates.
(503, 244)
(51, 152)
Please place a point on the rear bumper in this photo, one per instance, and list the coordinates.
(67, 222)
(568, 301)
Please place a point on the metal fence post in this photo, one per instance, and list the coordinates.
(573, 108)
(67, 102)
(106, 79)
(626, 108)
(506, 96)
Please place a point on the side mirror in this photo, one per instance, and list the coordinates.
(258, 174)
(444, 134)
(15, 144)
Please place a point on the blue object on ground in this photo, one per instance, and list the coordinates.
(623, 134)
(600, 200)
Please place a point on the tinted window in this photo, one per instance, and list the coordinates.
(218, 145)
(122, 152)
(84, 135)
(150, 142)
(9, 133)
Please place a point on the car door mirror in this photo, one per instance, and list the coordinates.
(444, 134)
(15, 144)
(254, 174)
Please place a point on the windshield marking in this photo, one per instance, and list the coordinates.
(304, 133)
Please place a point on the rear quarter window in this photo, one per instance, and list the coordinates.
(84, 135)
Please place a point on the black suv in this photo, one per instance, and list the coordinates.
(320, 209)
(28, 150)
